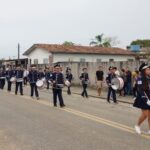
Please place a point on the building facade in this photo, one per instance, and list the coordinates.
(49, 54)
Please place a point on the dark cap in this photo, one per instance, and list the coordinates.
(84, 68)
(110, 68)
(57, 65)
(143, 66)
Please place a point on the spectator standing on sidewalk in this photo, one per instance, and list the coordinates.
(135, 76)
(99, 80)
(129, 82)
(123, 76)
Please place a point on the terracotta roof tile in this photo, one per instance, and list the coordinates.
(55, 48)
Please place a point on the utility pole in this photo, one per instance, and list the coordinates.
(18, 53)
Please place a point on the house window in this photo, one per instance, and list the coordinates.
(45, 61)
(35, 61)
(111, 60)
(98, 60)
(130, 60)
(82, 59)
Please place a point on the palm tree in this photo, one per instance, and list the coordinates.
(98, 40)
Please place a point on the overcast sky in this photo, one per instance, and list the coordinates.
(55, 21)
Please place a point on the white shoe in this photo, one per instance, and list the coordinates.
(137, 129)
(148, 132)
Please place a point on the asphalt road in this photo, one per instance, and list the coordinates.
(85, 124)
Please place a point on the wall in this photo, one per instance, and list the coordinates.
(39, 54)
(92, 67)
(89, 57)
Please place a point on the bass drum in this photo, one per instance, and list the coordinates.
(117, 83)
(40, 84)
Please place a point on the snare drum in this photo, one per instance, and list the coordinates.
(40, 84)
(43, 79)
(13, 79)
(67, 83)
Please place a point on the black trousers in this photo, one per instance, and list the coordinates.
(84, 92)
(57, 92)
(2, 83)
(9, 86)
(113, 92)
(19, 86)
(47, 84)
(34, 89)
(25, 80)
(69, 90)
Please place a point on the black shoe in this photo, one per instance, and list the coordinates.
(21, 94)
(62, 106)
(55, 105)
(108, 101)
(15, 93)
(82, 95)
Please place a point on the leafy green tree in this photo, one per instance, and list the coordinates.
(68, 43)
(142, 43)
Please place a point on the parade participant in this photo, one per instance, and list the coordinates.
(99, 80)
(2, 78)
(41, 74)
(25, 76)
(58, 82)
(9, 74)
(142, 100)
(109, 78)
(19, 80)
(48, 76)
(69, 77)
(33, 77)
(117, 73)
(85, 80)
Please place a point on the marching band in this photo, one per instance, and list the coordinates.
(37, 79)
(55, 78)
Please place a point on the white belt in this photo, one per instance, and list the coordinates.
(19, 80)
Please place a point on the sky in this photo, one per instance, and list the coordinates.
(54, 21)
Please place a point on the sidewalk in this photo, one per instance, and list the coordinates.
(93, 93)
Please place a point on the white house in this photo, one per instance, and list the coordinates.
(52, 53)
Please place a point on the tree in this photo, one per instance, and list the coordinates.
(97, 41)
(68, 43)
(145, 48)
(104, 42)
(142, 43)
